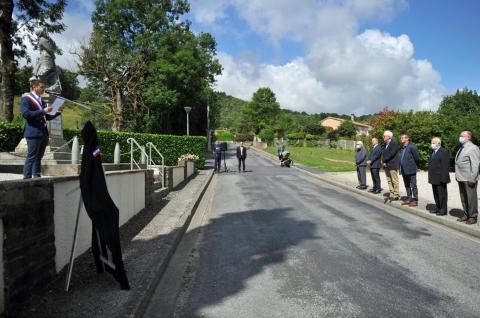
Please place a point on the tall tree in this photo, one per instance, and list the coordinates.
(29, 15)
(262, 111)
(125, 37)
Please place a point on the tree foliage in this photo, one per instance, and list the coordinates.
(347, 129)
(262, 111)
(15, 30)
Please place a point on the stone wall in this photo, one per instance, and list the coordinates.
(29, 242)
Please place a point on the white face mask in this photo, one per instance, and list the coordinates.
(434, 146)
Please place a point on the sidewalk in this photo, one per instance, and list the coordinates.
(148, 242)
(348, 181)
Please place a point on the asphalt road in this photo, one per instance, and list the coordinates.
(274, 242)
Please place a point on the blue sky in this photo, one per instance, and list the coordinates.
(331, 55)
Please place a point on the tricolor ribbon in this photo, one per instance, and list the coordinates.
(96, 152)
(39, 105)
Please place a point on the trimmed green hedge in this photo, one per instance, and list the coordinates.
(10, 135)
(171, 147)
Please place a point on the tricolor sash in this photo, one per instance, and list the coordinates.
(38, 104)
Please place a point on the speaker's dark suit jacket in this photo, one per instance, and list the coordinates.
(390, 156)
(242, 156)
(438, 167)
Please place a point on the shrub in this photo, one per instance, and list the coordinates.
(267, 135)
(244, 137)
(224, 136)
(10, 135)
(171, 147)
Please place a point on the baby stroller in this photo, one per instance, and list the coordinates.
(285, 160)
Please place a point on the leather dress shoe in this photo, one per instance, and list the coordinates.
(434, 211)
(394, 198)
(462, 219)
(413, 203)
(471, 221)
(378, 191)
(372, 191)
(362, 187)
(406, 202)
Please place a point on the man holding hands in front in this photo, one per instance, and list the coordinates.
(390, 161)
(374, 163)
(409, 161)
(467, 163)
(438, 175)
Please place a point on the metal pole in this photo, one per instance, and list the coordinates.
(188, 128)
(74, 245)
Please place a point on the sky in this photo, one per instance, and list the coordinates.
(343, 56)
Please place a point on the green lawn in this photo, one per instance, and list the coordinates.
(323, 159)
(70, 116)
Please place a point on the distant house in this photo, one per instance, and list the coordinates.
(334, 123)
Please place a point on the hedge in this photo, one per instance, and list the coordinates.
(10, 135)
(171, 147)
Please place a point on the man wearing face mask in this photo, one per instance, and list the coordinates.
(390, 161)
(438, 175)
(409, 161)
(374, 163)
(467, 163)
(361, 163)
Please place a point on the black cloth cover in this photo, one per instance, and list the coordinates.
(100, 207)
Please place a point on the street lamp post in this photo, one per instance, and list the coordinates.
(188, 109)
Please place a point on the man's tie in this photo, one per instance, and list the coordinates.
(459, 152)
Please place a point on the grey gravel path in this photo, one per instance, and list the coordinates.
(283, 244)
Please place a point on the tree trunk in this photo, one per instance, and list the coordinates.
(118, 111)
(7, 69)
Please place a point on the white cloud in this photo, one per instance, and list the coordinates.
(343, 71)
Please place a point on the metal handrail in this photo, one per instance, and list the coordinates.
(65, 144)
(133, 142)
(150, 145)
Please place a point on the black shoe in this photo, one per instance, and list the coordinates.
(462, 219)
(434, 211)
(378, 191)
(372, 191)
(441, 213)
(358, 186)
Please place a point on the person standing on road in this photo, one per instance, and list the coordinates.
(390, 161)
(241, 156)
(361, 163)
(217, 152)
(36, 115)
(374, 164)
(409, 161)
(438, 175)
(467, 162)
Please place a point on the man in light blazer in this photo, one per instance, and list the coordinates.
(390, 162)
(467, 162)
(438, 175)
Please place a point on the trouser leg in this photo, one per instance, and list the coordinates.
(463, 196)
(358, 176)
(243, 164)
(396, 189)
(442, 197)
(375, 178)
(472, 197)
(33, 148)
(37, 165)
(413, 186)
(363, 176)
(406, 182)
(389, 181)
(436, 197)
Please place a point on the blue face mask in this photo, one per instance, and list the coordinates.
(461, 140)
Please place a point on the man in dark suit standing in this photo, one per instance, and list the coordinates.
(438, 175)
(241, 156)
(409, 161)
(35, 112)
(390, 161)
(374, 163)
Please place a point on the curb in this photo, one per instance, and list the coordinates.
(466, 229)
(138, 305)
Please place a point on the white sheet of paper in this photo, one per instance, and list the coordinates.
(57, 103)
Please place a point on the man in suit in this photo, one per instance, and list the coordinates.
(467, 163)
(361, 163)
(35, 112)
(390, 161)
(409, 161)
(438, 176)
(241, 156)
(374, 163)
(217, 152)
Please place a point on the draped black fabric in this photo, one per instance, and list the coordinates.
(100, 208)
